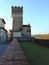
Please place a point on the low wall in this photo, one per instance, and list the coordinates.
(25, 39)
(42, 42)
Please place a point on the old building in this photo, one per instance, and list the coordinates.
(3, 31)
(26, 30)
(19, 29)
(17, 15)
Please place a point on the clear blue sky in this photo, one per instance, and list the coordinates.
(35, 12)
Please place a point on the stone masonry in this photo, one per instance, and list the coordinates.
(14, 55)
(17, 17)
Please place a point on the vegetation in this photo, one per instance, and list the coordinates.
(42, 36)
(36, 55)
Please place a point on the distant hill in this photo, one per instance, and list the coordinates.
(41, 36)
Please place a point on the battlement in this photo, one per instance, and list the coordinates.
(17, 9)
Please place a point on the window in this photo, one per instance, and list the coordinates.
(28, 30)
(0, 38)
(0, 31)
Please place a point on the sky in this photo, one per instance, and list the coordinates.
(35, 12)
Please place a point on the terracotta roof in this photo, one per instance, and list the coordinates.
(3, 28)
(3, 20)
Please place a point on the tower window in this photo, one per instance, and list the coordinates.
(29, 30)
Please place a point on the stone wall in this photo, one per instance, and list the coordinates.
(17, 15)
(26, 30)
(42, 42)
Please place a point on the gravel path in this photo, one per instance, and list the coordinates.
(14, 55)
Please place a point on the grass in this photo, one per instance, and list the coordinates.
(36, 55)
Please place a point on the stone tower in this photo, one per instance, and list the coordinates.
(17, 16)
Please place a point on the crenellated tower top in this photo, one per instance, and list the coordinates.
(17, 9)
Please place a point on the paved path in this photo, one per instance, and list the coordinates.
(14, 55)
